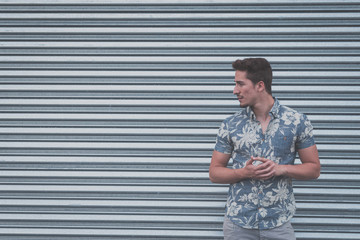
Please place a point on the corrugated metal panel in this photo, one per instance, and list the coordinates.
(109, 111)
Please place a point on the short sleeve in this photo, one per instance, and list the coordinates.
(223, 140)
(305, 134)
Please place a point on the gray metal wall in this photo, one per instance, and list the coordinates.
(109, 112)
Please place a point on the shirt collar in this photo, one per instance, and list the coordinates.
(274, 111)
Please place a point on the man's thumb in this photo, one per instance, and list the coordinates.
(250, 161)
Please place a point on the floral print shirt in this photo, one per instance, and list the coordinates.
(263, 204)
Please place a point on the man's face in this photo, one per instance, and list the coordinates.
(244, 89)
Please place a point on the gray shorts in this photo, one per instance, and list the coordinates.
(234, 232)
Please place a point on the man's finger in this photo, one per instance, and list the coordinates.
(262, 166)
(265, 173)
(260, 159)
(250, 161)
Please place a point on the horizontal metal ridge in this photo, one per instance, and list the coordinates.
(170, 102)
(158, 174)
(191, 15)
(152, 234)
(171, 87)
(156, 203)
(161, 116)
(183, 30)
(183, 44)
(27, 189)
(210, 234)
(178, 2)
(162, 74)
(148, 234)
(156, 218)
(118, 160)
(173, 51)
(114, 217)
(141, 145)
(209, 7)
(177, 59)
(148, 131)
(154, 161)
(149, 22)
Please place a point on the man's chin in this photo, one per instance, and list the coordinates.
(243, 105)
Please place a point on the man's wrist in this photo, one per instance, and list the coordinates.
(242, 173)
(282, 170)
(236, 174)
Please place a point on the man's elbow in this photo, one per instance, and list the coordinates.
(317, 172)
(214, 176)
(211, 176)
(316, 175)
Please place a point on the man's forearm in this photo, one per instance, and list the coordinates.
(226, 175)
(305, 171)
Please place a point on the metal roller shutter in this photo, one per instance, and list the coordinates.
(109, 112)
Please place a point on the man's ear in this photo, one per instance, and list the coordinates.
(261, 86)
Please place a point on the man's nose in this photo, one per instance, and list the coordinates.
(236, 90)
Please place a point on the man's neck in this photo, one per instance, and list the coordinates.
(262, 108)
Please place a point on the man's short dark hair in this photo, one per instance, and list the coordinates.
(257, 69)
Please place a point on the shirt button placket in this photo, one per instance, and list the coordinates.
(260, 208)
(260, 194)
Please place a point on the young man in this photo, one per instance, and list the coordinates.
(262, 141)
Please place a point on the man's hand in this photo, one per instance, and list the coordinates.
(250, 169)
(267, 169)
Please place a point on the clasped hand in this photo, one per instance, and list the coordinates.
(267, 169)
